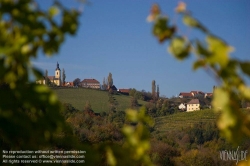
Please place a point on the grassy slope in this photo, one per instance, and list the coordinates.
(98, 99)
(99, 102)
(78, 98)
(184, 119)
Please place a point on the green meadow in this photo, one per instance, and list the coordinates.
(98, 99)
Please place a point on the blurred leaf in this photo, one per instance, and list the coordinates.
(53, 11)
(181, 7)
(201, 50)
(199, 63)
(37, 73)
(219, 51)
(110, 157)
(160, 26)
(245, 91)
(154, 13)
(161, 29)
(179, 47)
(221, 99)
(192, 22)
(245, 67)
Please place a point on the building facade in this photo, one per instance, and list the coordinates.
(90, 83)
(193, 105)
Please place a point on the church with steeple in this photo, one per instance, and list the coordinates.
(53, 80)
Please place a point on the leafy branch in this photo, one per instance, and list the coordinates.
(212, 54)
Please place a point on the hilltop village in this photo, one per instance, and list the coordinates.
(185, 101)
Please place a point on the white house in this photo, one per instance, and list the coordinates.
(182, 106)
(193, 105)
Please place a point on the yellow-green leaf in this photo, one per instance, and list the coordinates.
(192, 22)
(53, 11)
(179, 48)
(219, 51)
(221, 99)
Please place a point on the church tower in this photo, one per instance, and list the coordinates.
(58, 75)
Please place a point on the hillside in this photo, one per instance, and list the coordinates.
(183, 119)
(97, 98)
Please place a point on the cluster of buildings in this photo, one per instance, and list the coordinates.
(197, 94)
(57, 80)
(194, 104)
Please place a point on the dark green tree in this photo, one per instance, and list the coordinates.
(46, 77)
(158, 92)
(153, 91)
(76, 82)
(63, 77)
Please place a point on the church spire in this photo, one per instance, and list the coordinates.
(57, 66)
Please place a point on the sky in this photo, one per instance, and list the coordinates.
(114, 36)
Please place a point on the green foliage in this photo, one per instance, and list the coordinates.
(192, 22)
(136, 141)
(29, 113)
(213, 54)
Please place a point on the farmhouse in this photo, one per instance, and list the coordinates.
(90, 83)
(193, 105)
(52, 79)
(124, 91)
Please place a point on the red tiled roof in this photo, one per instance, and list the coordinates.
(194, 101)
(185, 94)
(197, 92)
(124, 90)
(90, 81)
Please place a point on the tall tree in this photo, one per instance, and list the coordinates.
(104, 84)
(110, 81)
(63, 76)
(158, 92)
(46, 77)
(153, 90)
